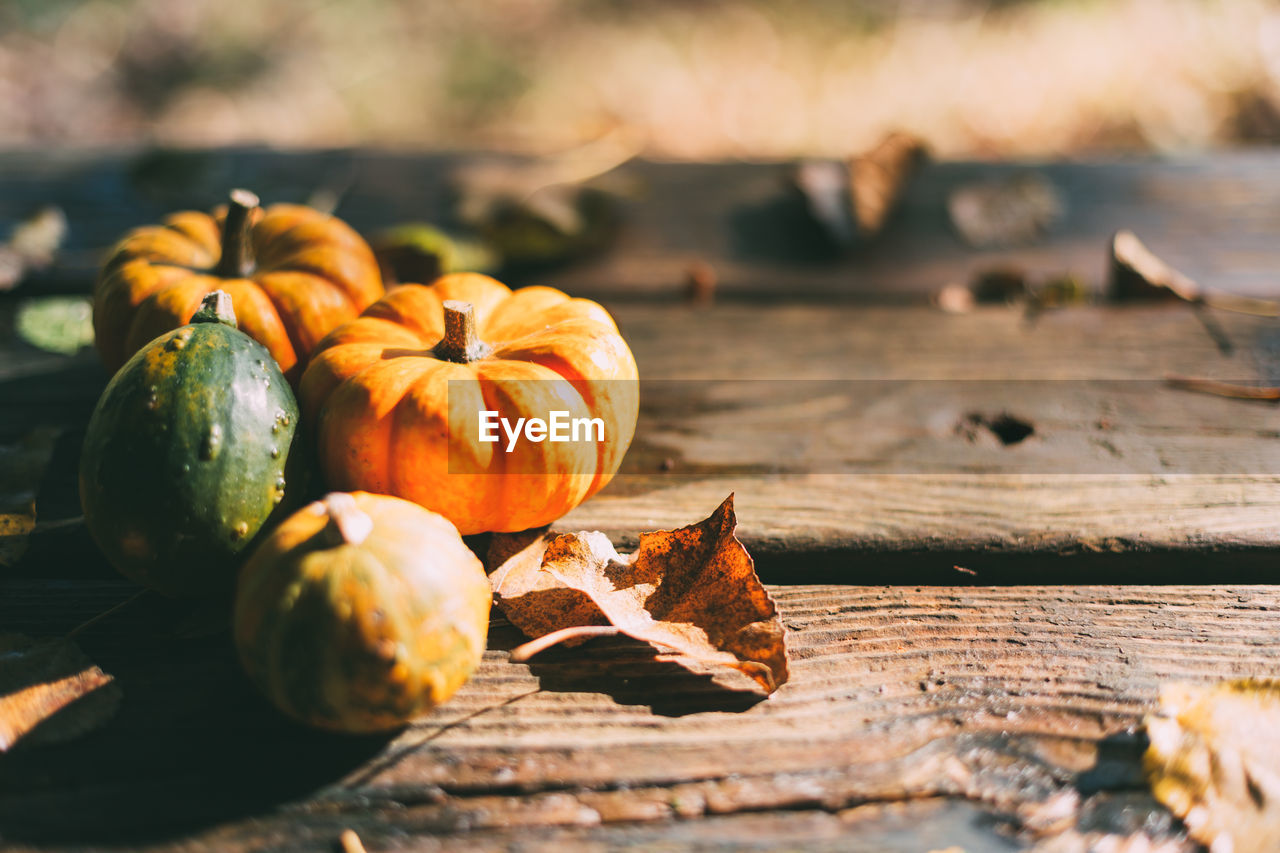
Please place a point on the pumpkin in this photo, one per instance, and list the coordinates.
(294, 273)
(398, 394)
(185, 453)
(361, 612)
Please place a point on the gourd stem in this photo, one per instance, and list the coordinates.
(348, 524)
(460, 343)
(216, 307)
(235, 260)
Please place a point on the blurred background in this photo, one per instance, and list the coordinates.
(685, 80)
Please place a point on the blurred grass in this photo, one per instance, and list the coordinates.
(692, 79)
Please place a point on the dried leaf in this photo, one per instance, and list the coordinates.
(1011, 212)
(1137, 273)
(419, 252)
(38, 238)
(878, 177)
(53, 686)
(32, 245)
(692, 590)
(1214, 760)
(61, 324)
(853, 200)
(544, 212)
(12, 269)
(22, 466)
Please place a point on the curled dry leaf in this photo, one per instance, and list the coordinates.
(1137, 273)
(692, 590)
(50, 681)
(878, 176)
(854, 200)
(1010, 212)
(1214, 760)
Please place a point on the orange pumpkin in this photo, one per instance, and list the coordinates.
(360, 612)
(294, 274)
(398, 395)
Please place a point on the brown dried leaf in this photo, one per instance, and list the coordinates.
(878, 177)
(52, 685)
(21, 467)
(854, 200)
(1137, 273)
(38, 238)
(692, 590)
(1011, 212)
(1214, 760)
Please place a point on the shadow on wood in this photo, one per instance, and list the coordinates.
(192, 745)
(627, 671)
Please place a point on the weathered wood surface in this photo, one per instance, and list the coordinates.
(1213, 217)
(1024, 701)
(847, 430)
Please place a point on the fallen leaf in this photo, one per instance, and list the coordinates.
(22, 466)
(692, 590)
(49, 691)
(1214, 760)
(1137, 273)
(419, 252)
(700, 282)
(853, 200)
(38, 238)
(33, 245)
(544, 212)
(878, 177)
(350, 842)
(61, 324)
(1009, 212)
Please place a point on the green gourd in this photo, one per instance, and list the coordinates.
(185, 454)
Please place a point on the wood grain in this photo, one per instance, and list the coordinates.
(1023, 701)
(848, 431)
(1212, 217)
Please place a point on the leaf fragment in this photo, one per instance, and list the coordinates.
(420, 252)
(61, 324)
(854, 200)
(33, 244)
(693, 591)
(1214, 760)
(22, 466)
(50, 691)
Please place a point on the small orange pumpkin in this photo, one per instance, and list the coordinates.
(360, 612)
(380, 388)
(294, 274)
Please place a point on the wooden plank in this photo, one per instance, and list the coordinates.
(1213, 217)
(1022, 701)
(847, 430)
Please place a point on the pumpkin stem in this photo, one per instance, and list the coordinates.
(460, 343)
(348, 524)
(216, 308)
(235, 261)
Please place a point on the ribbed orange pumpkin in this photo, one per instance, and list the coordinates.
(380, 388)
(294, 274)
(360, 612)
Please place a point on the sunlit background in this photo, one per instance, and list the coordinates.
(699, 79)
